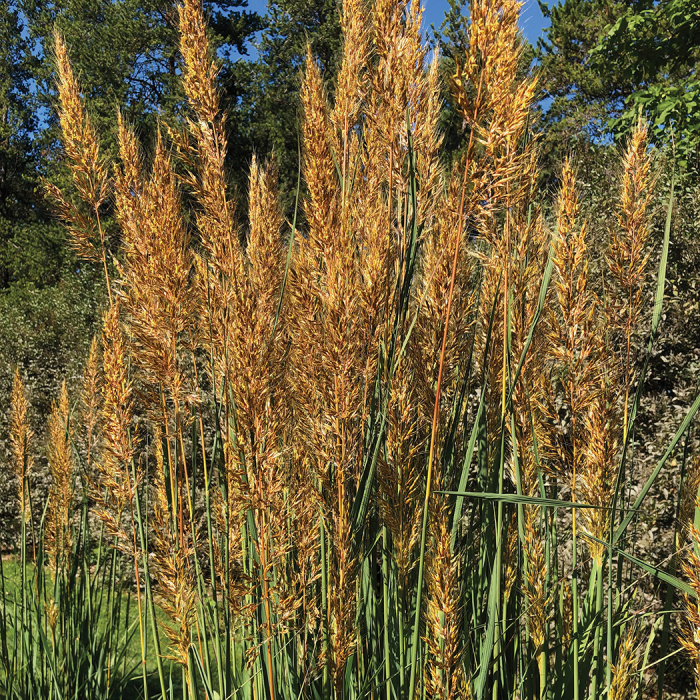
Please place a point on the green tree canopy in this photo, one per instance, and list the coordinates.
(655, 47)
(603, 60)
(292, 25)
(30, 245)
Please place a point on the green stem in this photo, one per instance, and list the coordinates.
(598, 574)
(385, 603)
(574, 605)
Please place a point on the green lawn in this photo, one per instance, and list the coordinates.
(112, 622)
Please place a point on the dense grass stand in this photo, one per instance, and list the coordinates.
(382, 452)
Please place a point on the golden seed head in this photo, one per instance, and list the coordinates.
(61, 466)
(626, 668)
(627, 255)
(199, 70)
(22, 459)
(117, 402)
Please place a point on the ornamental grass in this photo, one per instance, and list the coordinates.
(380, 450)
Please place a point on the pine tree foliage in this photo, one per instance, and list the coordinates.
(292, 25)
(603, 61)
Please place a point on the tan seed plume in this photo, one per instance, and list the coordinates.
(58, 537)
(22, 460)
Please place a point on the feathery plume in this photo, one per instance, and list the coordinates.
(627, 258)
(172, 565)
(399, 474)
(22, 460)
(625, 670)
(691, 485)
(199, 70)
(80, 140)
(321, 207)
(602, 427)
(60, 458)
(113, 488)
(350, 82)
(443, 639)
(492, 99)
(205, 156)
(88, 169)
(573, 342)
(156, 295)
(264, 249)
(689, 633)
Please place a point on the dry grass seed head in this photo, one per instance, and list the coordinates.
(80, 139)
(535, 579)
(156, 292)
(431, 297)
(573, 342)
(172, 564)
(265, 250)
(321, 207)
(61, 467)
(491, 98)
(511, 553)
(348, 104)
(89, 172)
(400, 474)
(250, 348)
(492, 58)
(199, 70)
(443, 619)
(399, 79)
(402, 97)
(625, 670)
(689, 633)
(205, 153)
(113, 488)
(691, 486)
(627, 255)
(129, 175)
(22, 459)
(600, 461)
(128, 182)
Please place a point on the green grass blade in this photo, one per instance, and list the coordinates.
(515, 498)
(650, 481)
(649, 568)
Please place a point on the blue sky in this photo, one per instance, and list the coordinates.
(532, 21)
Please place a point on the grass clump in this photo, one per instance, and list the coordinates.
(387, 452)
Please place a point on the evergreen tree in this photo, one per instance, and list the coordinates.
(656, 47)
(604, 60)
(28, 250)
(292, 25)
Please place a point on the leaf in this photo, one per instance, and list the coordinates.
(515, 498)
(650, 568)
